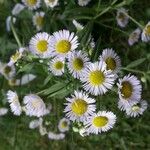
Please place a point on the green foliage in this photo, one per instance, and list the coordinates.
(100, 23)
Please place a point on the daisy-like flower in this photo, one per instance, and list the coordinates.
(14, 103)
(129, 89)
(34, 124)
(146, 33)
(51, 3)
(77, 62)
(62, 42)
(56, 136)
(122, 18)
(38, 20)
(3, 111)
(34, 106)
(100, 122)
(111, 59)
(18, 55)
(32, 4)
(83, 2)
(134, 37)
(96, 79)
(7, 71)
(78, 26)
(56, 66)
(137, 109)
(79, 106)
(63, 125)
(39, 45)
(10, 20)
(17, 9)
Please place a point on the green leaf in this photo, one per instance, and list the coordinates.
(26, 68)
(56, 87)
(136, 63)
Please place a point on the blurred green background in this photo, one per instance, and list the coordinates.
(128, 133)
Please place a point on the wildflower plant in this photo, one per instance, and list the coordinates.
(73, 70)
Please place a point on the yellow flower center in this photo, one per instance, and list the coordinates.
(51, 1)
(96, 77)
(39, 21)
(100, 121)
(77, 64)
(126, 89)
(64, 124)
(42, 46)
(79, 107)
(121, 16)
(135, 108)
(58, 65)
(63, 46)
(7, 70)
(31, 2)
(147, 30)
(111, 63)
(16, 56)
(36, 103)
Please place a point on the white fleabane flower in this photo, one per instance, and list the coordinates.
(129, 90)
(100, 122)
(146, 33)
(96, 79)
(78, 26)
(38, 45)
(3, 111)
(34, 124)
(62, 42)
(51, 3)
(122, 18)
(17, 9)
(7, 71)
(79, 106)
(137, 109)
(38, 20)
(63, 125)
(111, 59)
(134, 37)
(14, 103)
(56, 136)
(18, 55)
(56, 66)
(32, 4)
(10, 19)
(34, 106)
(77, 62)
(83, 2)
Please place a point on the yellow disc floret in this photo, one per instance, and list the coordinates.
(96, 78)
(79, 107)
(42, 46)
(63, 46)
(31, 2)
(126, 89)
(111, 63)
(77, 64)
(100, 121)
(58, 65)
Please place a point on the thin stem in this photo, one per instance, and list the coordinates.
(15, 35)
(133, 70)
(136, 22)
(105, 10)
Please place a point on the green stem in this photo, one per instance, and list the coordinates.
(133, 70)
(136, 22)
(105, 10)
(15, 35)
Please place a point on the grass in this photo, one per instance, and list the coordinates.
(128, 133)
